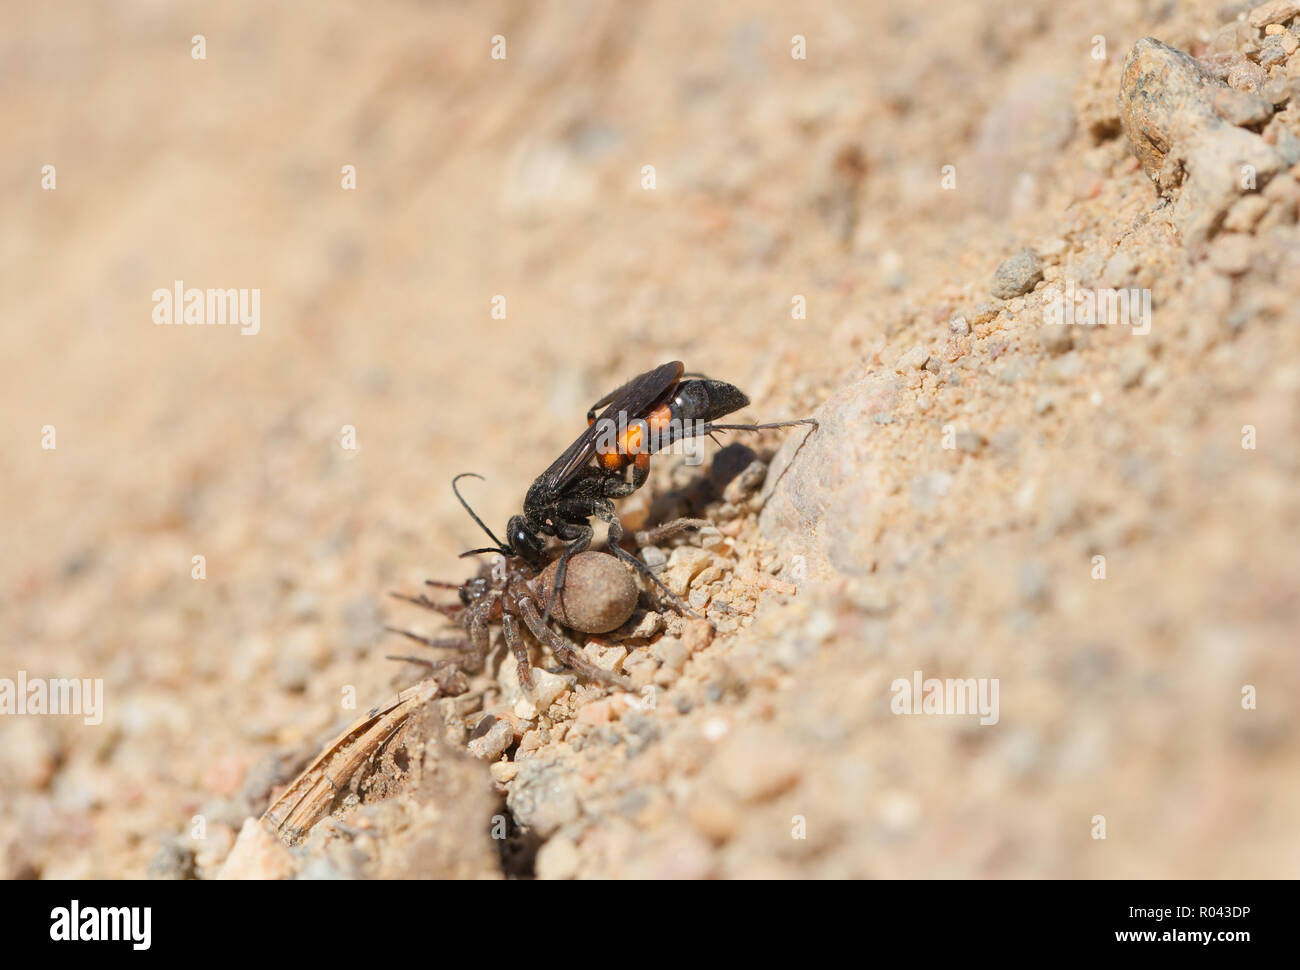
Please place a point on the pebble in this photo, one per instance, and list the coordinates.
(542, 797)
(1017, 275)
(1167, 114)
(1274, 12)
(605, 656)
(1245, 213)
(173, 860)
(1246, 76)
(597, 712)
(1231, 253)
(684, 564)
(1120, 270)
(654, 557)
(758, 764)
(744, 485)
(715, 816)
(914, 359)
(257, 854)
(1132, 365)
(558, 859)
(671, 652)
(1241, 107)
(1271, 52)
(547, 687)
(1056, 338)
(494, 742)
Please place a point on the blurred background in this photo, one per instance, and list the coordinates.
(524, 178)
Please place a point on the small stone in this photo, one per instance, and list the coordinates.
(1056, 338)
(1274, 12)
(1119, 270)
(1231, 253)
(1242, 108)
(547, 687)
(494, 742)
(605, 656)
(1131, 367)
(758, 764)
(744, 485)
(1277, 91)
(1245, 213)
(1246, 76)
(172, 861)
(914, 359)
(1017, 275)
(503, 772)
(257, 854)
(715, 816)
(684, 564)
(1271, 53)
(558, 859)
(597, 712)
(958, 325)
(542, 797)
(671, 652)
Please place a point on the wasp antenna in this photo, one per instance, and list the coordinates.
(474, 515)
(500, 550)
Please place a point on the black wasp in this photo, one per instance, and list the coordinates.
(646, 415)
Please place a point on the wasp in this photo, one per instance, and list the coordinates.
(625, 428)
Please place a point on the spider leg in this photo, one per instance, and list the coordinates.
(448, 610)
(566, 652)
(515, 640)
(453, 643)
(649, 537)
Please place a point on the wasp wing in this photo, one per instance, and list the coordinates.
(634, 399)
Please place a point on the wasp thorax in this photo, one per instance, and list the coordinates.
(599, 592)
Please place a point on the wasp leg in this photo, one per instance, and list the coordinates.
(604, 510)
(566, 652)
(578, 535)
(709, 427)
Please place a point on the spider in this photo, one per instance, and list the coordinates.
(509, 590)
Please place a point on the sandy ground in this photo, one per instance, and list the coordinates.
(947, 517)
